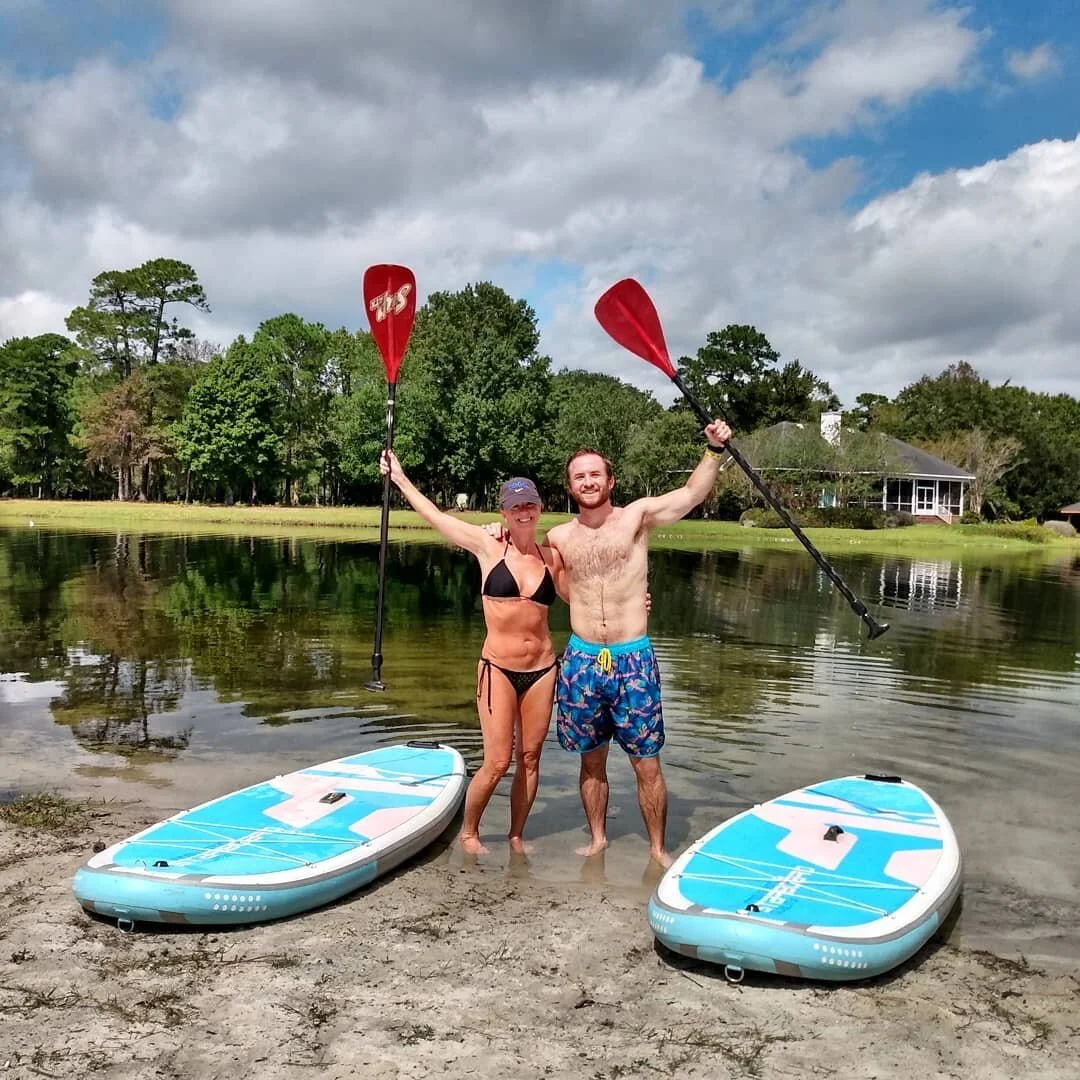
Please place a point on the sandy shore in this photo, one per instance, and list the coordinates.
(453, 969)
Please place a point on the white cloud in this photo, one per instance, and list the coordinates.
(866, 58)
(30, 313)
(975, 265)
(583, 136)
(1042, 60)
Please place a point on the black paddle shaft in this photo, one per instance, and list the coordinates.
(384, 526)
(876, 628)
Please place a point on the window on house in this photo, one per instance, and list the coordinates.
(898, 495)
(949, 496)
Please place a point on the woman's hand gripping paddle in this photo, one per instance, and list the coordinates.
(390, 302)
(628, 315)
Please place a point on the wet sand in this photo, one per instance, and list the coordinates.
(456, 968)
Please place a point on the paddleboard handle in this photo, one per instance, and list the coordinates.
(734, 974)
(832, 832)
(424, 744)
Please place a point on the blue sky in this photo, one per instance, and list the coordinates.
(989, 119)
(43, 40)
(883, 188)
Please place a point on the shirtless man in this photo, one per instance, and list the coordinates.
(609, 683)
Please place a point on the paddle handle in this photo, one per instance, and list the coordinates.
(384, 528)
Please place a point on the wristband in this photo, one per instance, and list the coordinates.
(712, 451)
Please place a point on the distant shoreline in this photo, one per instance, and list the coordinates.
(362, 523)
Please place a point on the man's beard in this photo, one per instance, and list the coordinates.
(593, 500)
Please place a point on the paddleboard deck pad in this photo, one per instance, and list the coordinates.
(282, 846)
(840, 880)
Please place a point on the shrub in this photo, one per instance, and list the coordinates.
(1015, 530)
(759, 517)
(1060, 528)
(831, 517)
(970, 517)
(850, 517)
(896, 519)
(727, 505)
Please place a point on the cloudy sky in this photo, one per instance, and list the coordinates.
(882, 187)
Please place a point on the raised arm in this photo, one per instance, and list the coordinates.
(470, 537)
(675, 505)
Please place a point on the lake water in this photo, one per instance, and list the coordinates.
(171, 669)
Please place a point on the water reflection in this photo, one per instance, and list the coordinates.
(131, 626)
(208, 662)
(919, 585)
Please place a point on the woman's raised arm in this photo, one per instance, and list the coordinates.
(470, 537)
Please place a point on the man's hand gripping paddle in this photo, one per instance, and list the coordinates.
(390, 302)
(628, 315)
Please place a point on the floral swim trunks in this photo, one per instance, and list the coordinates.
(610, 691)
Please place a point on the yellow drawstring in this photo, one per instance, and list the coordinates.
(603, 658)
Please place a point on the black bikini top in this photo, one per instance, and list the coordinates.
(501, 583)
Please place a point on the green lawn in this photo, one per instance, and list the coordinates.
(363, 523)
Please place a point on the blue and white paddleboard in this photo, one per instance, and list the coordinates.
(840, 880)
(282, 846)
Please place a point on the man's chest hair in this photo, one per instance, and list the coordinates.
(613, 542)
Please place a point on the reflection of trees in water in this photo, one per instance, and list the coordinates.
(288, 624)
(126, 737)
(35, 567)
(1012, 618)
(108, 704)
(126, 668)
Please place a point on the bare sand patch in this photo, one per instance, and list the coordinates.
(444, 969)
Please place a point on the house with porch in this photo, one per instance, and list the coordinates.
(1071, 514)
(924, 486)
(914, 482)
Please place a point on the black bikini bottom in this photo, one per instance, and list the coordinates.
(521, 681)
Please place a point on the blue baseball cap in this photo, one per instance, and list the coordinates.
(518, 491)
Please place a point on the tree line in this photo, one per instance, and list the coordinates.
(132, 405)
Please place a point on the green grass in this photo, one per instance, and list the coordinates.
(940, 540)
(45, 812)
(362, 523)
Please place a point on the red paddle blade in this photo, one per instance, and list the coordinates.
(627, 314)
(390, 301)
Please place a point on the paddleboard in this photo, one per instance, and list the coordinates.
(282, 846)
(843, 879)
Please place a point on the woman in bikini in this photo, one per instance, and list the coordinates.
(515, 678)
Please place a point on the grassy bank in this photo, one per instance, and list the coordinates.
(362, 523)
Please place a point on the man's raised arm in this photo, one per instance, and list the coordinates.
(675, 505)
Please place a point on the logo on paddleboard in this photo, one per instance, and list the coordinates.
(390, 303)
(786, 887)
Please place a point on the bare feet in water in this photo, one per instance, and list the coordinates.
(471, 846)
(519, 847)
(661, 857)
(593, 848)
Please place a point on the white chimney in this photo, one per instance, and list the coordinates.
(830, 426)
